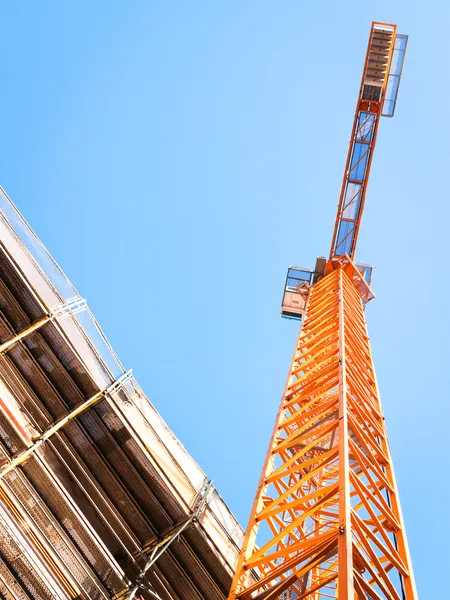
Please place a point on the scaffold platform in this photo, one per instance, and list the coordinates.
(98, 498)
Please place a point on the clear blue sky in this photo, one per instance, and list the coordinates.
(176, 157)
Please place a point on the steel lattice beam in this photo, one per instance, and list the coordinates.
(326, 521)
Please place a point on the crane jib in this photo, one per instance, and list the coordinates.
(377, 97)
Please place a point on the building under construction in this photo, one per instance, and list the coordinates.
(100, 501)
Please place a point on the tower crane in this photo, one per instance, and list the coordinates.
(326, 521)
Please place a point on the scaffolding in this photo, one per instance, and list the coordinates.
(98, 499)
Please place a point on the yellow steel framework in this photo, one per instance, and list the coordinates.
(326, 521)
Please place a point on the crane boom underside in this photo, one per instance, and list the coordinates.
(377, 97)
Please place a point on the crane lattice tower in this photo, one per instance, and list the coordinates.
(326, 521)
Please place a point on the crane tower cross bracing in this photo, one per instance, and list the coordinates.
(326, 521)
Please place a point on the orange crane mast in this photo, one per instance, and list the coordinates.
(326, 521)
